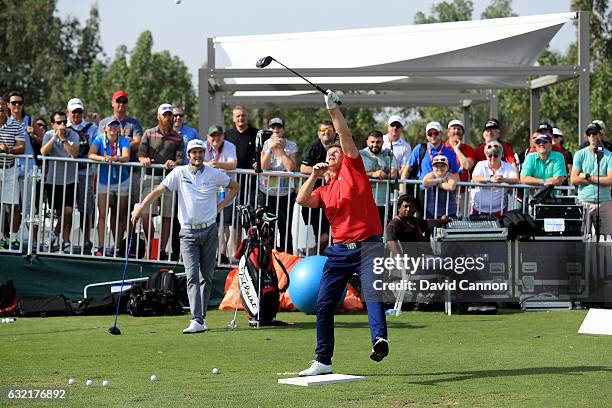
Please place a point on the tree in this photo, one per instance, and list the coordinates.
(457, 10)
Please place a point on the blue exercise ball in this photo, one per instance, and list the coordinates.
(305, 281)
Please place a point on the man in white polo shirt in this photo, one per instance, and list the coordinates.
(401, 148)
(197, 187)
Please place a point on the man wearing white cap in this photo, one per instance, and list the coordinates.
(198, 207)
(401, 148)
(433, 147)
(463, 153)
(160, 145)
(85, 197)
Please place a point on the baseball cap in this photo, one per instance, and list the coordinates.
(163, 108)
(557, 132)
(215, 129)
(75, 103)
(195, 144)
(119, 94)
(601, 123)
(545, 128)
(440, 159)
(114, 122)
(396, 118)
(276, 121)
(490, 125)
(455, 122)
(433, 125)
(592, 128)
(543, 137)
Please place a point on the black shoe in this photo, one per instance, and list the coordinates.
(224, 259)
(87, 247)
(380, 350)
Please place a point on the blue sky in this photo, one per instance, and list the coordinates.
(182, 29)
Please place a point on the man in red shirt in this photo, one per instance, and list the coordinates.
(491, 132)
(356, 230)
(463, 152)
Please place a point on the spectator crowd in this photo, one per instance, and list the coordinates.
(105, 167)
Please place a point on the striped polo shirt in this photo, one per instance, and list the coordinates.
(161, 148)
(10, 134)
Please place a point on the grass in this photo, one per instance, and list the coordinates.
(506, 360)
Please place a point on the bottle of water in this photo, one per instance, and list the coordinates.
(221, 193)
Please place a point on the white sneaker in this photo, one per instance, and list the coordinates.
(195, 327)
(316, 368)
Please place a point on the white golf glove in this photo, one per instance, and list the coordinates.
(331, 99)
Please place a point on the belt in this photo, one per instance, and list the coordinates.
(355, 245)
(198, 226)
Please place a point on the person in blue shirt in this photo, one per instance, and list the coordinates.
(113, 183)
(423, 161)
(592, 173)
(180, 127)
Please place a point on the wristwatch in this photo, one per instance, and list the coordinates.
(587, 177)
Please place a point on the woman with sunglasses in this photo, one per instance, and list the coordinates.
(441, 184)
(17, 111)
(492, 201)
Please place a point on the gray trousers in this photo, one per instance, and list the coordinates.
(198, 248)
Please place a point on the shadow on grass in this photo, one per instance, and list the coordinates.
(473, 375)
(348, 325)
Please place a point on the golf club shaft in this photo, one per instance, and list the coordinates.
(127, 257)
(323, 91)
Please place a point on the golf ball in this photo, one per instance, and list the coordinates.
(105, 383)
(89, 382)
(71, 381)
(153, 377)
(215, 370)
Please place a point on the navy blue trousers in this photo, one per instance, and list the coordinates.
(341, 264)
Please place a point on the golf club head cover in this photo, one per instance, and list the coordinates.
(331, 99)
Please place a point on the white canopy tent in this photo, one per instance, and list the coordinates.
(456, 63)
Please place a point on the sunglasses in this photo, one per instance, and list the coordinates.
(16, 103)
(540, 142)
(61, 122)
(167, 114)
(77, 112)
(439, 165)
(326, 130)
(592, 134)
(178, 115)
(276, 127)
(396, 125)
(42, 125)
(494, 156)
(114, 126)
(433, 133)
(122, 101)
(558, 136)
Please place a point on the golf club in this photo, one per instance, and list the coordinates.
(265, 61)
(115, 330)
(233, 324)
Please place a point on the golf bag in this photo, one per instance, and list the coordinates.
(259, 287)
(158, 297)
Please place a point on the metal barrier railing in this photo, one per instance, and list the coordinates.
(51, 227)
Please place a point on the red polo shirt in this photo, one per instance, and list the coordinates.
(349, 205)
(508, 153)
(468, 151)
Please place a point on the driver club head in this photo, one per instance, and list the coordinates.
(264, 62)
(233, 324)
(114, 331)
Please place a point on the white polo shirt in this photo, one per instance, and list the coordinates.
(197, 192)
(401, 149)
